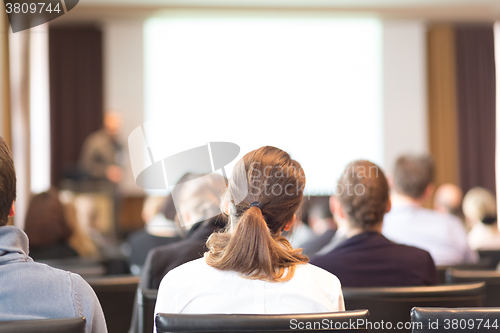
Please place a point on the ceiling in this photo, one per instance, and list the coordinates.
(294, 3)
(431, 10)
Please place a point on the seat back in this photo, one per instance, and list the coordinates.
(492, 256)
(393, 304)
(63, 325)
(147, 301)
(441, 270)
(116, 295)
(85, 267)
(243, 323)
(491, 278)
(437, 320)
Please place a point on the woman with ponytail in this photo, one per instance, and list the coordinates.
(249, 267)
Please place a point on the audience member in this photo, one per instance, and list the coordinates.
(340, 233)
(448, 199)
(251, 268)
(79, 240)
(158, 230)
(366, 258)
(321, 221)
(481, 214)
(47, 228)
(33, 290)
(198, 210)
(442, 234)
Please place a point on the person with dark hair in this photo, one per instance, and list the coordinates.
(33, 290)
(250, 268)
(442, 234)
(366, 258)
(47, 228)
(323, 225)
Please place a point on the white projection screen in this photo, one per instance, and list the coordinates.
(311, 86)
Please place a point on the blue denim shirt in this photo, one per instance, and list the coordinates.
(30, 290)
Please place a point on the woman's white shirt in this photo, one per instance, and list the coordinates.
(198, 288)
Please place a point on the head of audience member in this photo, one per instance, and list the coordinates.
(80, 240)
(479, 206)
(112, 124)
(413, 178)
(320, 217)
(362, 198)
(265, 190)
(448, 199)
(7, 183)
(45, 222)
(198, 199)
(151, 207)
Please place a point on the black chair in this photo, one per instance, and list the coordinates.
(116, 295)
(243, 323)
(491, 278)
(492, 256)
(439, 320)
(63, 325)
(81, 266)
(393, 304)
(441, 270)
(146, 312)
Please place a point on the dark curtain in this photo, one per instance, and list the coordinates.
(475, 68)
(76, 93)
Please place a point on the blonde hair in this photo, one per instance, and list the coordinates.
(252, 245)
(199, 198)
(479, 203)
(79, 241)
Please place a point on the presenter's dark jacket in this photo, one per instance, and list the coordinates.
(164, 258)
(371, 260)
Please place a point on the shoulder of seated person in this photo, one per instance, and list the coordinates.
(316, 272)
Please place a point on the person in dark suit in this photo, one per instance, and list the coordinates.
(162, 259)
(366, 258)
(197, 199)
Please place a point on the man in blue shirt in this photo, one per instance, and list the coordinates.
(441, 234)
(30, 290)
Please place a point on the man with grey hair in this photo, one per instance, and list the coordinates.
(441, 234)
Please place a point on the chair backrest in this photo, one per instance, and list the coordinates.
(146, 312)
(492, 256)
(243, 323)
(393, 304)
(116, 295)
(81, 266)
(441, 270)
(63, 325)
(437, 320)
(491, 278)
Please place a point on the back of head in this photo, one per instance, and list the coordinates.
(413, 174)
(45, 222)
(7, 182)
(448, 199)
(479, 204)
(264, 193)
(199, 198)
(363, 193)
